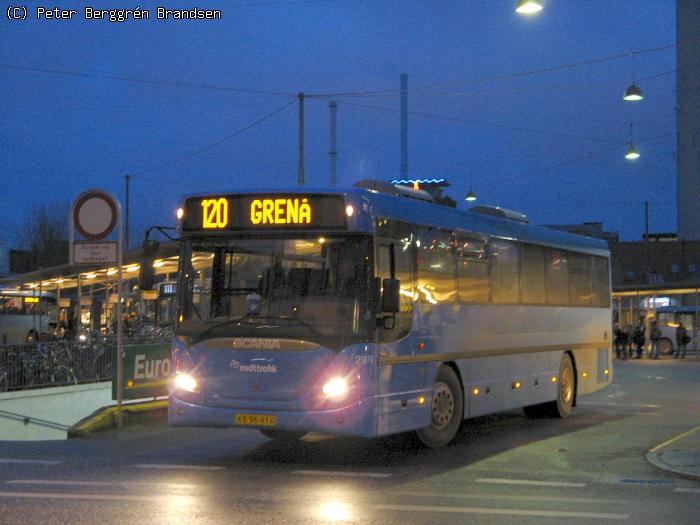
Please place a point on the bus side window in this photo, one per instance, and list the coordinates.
(557, 277)
(579, 279)
(600, 282)
(533, 274)
(473, 282)
(505, 272)
(436, 280)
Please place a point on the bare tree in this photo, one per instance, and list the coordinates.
(45, 235)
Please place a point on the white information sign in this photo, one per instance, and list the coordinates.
(95, 252)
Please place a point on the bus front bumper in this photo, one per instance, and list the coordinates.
(356, 419)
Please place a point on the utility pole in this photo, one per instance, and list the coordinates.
(126, 226)
(300, 180)
(404, 126)
(647, 255)
(333, 151)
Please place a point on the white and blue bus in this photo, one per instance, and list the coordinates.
(365, 313)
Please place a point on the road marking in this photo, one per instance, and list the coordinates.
(170, 466)
(648, 481)
(29, 461)
(81, 483)
(505, 512)
(683, 489)
(673, 440)
(501, 497)
(620, 404)
(506, 481)
(342, 473)
(76, 495)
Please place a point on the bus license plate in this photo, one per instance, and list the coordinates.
(257, 420)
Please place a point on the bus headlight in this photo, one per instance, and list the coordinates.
(336, 387)
(187, 383)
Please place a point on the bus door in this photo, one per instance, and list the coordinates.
(394, 336)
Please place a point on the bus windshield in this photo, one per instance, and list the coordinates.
(314, 288)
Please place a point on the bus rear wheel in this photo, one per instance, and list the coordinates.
(447, 409)
(282, 435)
(565, 394)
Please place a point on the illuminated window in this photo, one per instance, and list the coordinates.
(436, 281)
(473, 282)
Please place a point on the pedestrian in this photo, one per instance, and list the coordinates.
(620, 342)
(638, 338)
(655, 335)
(682, 340)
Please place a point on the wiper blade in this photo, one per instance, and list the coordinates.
(252, 317)
(287, 318)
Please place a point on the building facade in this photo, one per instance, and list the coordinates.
(688, 118)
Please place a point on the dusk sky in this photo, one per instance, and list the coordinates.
(483, 114)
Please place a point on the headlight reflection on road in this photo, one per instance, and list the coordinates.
(179, 509)
(334, 510)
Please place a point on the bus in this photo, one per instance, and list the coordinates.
(26, 315)
(370, 312)
(669, 317)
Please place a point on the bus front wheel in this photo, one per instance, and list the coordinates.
(446, 411)
(565, 394)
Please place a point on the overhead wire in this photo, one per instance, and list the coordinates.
(485, 124)
(213, 144)
(139, 80)
(509, 76)
(568, 162)
(551, 89)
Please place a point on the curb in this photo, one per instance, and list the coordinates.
(106, 417)
(654, 456)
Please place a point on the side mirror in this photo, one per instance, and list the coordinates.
(390, 295)
(147, 274)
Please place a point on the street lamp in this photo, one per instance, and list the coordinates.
(471, 196)
(528, 7)
(632, 152)
(633, 93)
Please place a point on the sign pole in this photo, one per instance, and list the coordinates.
(120, 323)
(94, 214)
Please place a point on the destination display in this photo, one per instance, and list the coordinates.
(264, 212)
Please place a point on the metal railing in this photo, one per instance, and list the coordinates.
(61, 363)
